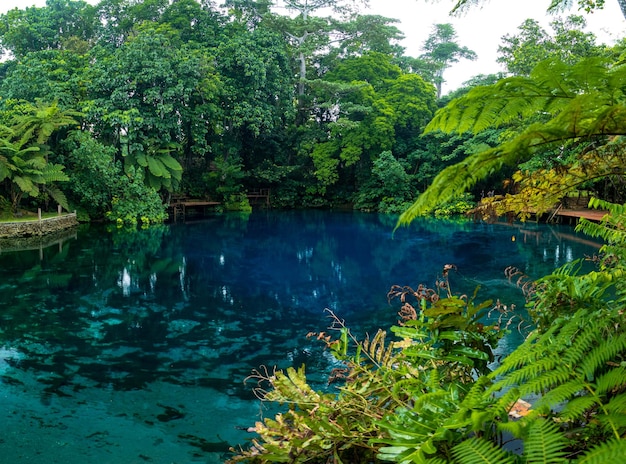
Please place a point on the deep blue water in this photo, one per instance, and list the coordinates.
(122, 348)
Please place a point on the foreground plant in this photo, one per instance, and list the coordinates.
(442, 346)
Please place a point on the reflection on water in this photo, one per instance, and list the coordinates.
(133, 347)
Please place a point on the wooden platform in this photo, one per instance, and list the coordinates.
(577, 213)
(256, 195)
(180, 206)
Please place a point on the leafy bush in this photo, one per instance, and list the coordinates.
(101, 188)
(238, 202)
(93, 173)
(135, 202)
(388, 190)
(443, 347)
(461, 204)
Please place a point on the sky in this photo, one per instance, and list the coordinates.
(480, 29)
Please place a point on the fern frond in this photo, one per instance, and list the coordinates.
(58, 196)
(54, 173)
(612, 451)
(575, 101)
(607, 350)
(480, 451)
(544, 442)
(537, 382)
(560, 394)
(613, 423)
(531, 369)
(576, 408)
(579, 343)
(617, 404)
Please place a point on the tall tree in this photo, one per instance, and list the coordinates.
(58, 75)
(309, 33)
(370, 102)
(47, 28)
(520, 53)
(441, 50)
(153, 96)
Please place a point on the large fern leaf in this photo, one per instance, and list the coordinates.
(544, 443)
(479, 451)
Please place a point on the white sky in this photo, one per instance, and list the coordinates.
(480, 29)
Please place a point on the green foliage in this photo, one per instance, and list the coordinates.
(237, 203)
(224, 181)
(25, 168)
(589, 6)
(581, 101)
(522, 52)
(94, 174)
(388, 189)
(463, 204)
(441, 50)
(383, 385)
(161, 169)
(134, 202)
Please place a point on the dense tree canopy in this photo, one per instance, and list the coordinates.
(187, 98)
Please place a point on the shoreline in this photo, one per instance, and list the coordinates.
(37, 227)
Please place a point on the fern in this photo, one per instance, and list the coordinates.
(612, 451)
(581, 101)
(572, 366)
(607, 349)
(479, 451)
(544, 443)
(610, 381)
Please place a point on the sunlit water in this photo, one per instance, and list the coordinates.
(133, 347)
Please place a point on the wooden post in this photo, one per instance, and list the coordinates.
(39, 214)
(59, 210)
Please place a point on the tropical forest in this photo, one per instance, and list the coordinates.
(117, 110)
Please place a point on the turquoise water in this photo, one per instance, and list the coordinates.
(133, 347)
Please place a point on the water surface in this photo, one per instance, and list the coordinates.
(121, 347)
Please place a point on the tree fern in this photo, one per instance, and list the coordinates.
(580, 101)
(572, 367)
